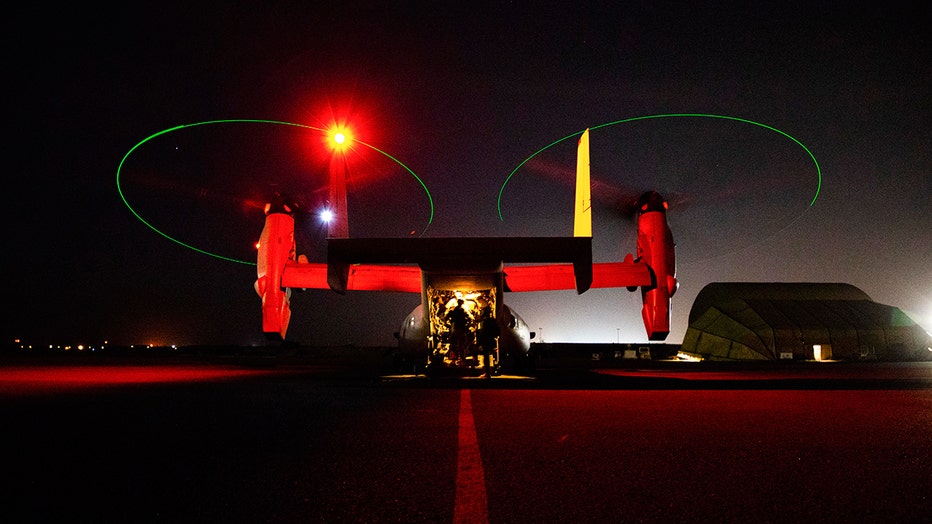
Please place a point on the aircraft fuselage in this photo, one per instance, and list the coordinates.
(462, 280)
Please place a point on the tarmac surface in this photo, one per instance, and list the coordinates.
(340, 438)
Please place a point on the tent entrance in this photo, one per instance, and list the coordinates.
(822, 352)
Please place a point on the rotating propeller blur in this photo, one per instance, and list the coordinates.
(204, 185)
(730, 183)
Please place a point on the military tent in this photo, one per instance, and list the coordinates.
(799, 321)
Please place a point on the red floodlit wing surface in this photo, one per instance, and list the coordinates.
(620, 274)
(560, 276)
(362, 277)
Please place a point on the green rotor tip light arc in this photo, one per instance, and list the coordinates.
(669, 115)
(239, 121)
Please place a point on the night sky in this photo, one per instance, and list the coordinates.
(461, 94)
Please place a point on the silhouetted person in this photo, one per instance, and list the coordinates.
(487, 337)
(458, 320)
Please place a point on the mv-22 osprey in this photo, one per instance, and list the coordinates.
(476, 270)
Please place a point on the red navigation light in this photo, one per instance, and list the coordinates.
(339, 138)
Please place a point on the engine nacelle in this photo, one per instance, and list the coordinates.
(657, 249)
(276, 247)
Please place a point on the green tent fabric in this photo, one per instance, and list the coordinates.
(799, 321)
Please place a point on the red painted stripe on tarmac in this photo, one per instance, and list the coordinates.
(472, 506)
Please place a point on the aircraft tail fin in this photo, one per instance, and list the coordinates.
(582, 219)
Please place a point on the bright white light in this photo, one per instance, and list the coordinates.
(339, 138)
(326, 215)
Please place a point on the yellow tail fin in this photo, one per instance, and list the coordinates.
(582, 220)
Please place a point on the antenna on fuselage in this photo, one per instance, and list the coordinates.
(582, 218)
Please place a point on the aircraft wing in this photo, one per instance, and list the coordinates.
(560, 276)
(484, 253)
(362, 277)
